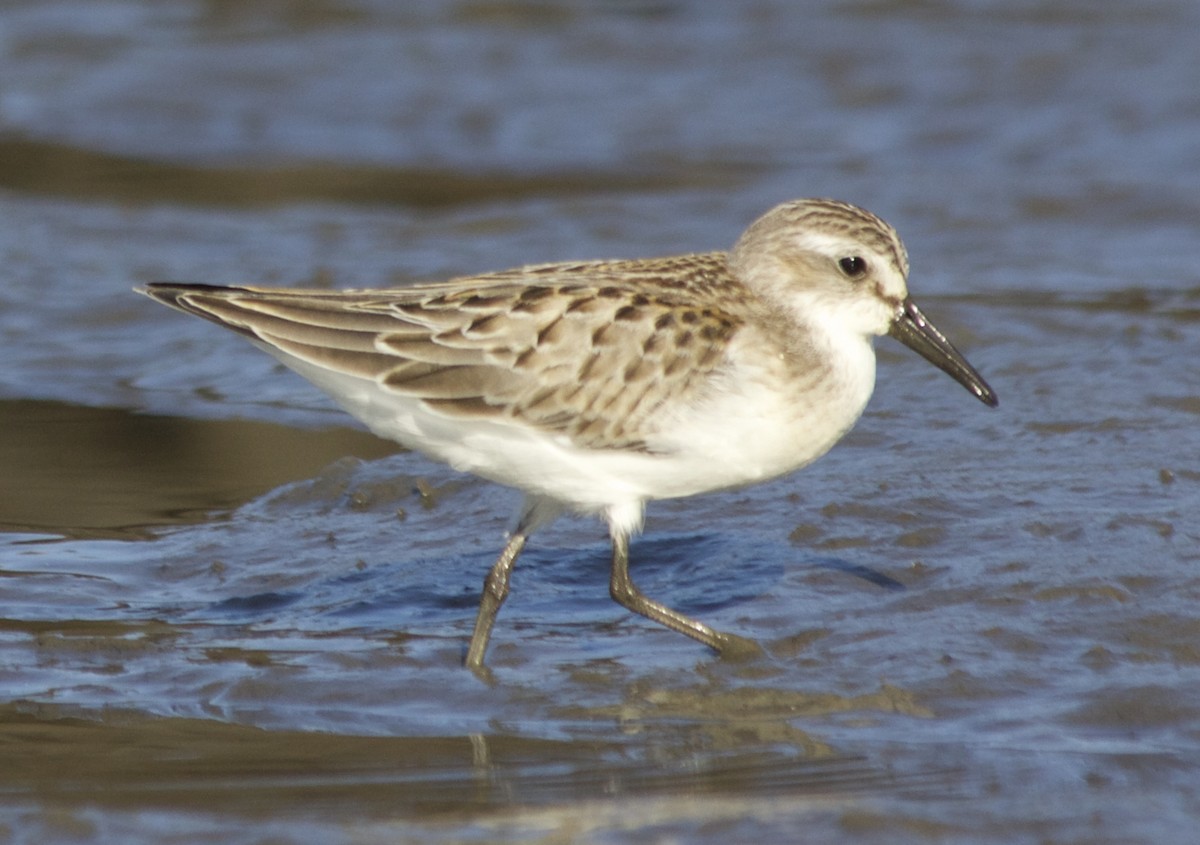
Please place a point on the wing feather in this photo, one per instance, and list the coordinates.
(593, 352)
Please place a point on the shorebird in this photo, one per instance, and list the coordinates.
(597, 386)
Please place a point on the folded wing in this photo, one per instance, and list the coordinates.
(593, 361)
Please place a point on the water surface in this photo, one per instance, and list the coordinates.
(229, 615)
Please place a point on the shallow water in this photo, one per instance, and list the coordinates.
(228, 615)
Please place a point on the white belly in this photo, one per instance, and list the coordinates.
(753, 424)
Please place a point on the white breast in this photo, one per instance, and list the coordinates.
(756, 421)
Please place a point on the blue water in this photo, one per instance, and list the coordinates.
(978, 625)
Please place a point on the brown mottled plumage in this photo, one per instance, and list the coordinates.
(600, 385)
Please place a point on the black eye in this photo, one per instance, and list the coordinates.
(853, 265)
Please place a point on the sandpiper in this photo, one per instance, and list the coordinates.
(596, 386)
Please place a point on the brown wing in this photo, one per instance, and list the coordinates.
(595, 360)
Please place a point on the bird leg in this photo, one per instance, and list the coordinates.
(626, 593)
(495, 591)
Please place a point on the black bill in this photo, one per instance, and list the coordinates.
(912, 329)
